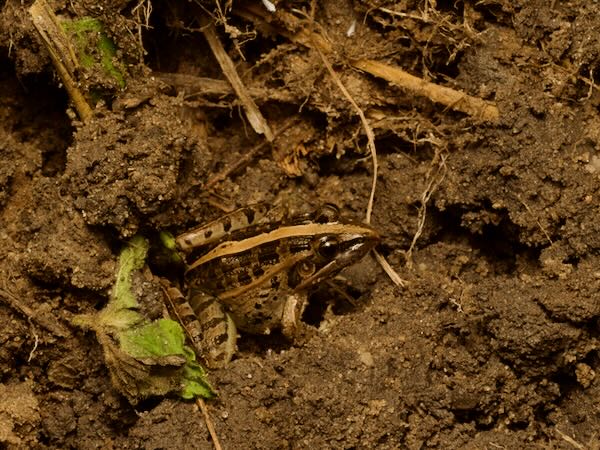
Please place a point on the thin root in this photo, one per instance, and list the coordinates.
(52, 326)
(434, 178)
(569, 439)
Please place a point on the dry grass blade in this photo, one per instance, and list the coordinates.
(256, 119)
(388, 269)
(209, 423)
(61, 52)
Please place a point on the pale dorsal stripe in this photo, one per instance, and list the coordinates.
(312, 229)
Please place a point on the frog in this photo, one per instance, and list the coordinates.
(252, 269)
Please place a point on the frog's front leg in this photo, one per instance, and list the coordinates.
(292, 313)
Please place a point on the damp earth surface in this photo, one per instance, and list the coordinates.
(492, 225)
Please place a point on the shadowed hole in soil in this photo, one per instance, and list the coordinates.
(174, 30)
(390, 143)
(41, 118)
(147, 404)
(494, 14)
(342, 299)
(499, 243)
(387, 144)
(260, 344)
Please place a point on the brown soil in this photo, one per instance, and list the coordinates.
(492, 343)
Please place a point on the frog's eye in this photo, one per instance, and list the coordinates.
(305, 269)
(327, 213)
(327, 247)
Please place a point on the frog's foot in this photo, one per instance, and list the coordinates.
(216, 333)
(292, 314)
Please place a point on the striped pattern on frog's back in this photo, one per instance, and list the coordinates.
(236, 266)
(211, 233)
(230, 275)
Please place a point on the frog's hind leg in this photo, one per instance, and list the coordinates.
(215, 332)
(185, 315)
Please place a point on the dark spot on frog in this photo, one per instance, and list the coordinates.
(258, 319)
(220, 339)
(227, 224)
(207, 234)
(275, 283)
(258, 306)
(249, 214)
(214, 286)
(213, 322)
(268, 254)
(258, 271)
(299, 247)
(244, 278)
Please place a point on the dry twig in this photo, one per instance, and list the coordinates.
(209, 423)
(256, 119)
(193, 87)
(61, 52)
(449, 97)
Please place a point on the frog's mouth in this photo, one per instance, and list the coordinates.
(353, 252)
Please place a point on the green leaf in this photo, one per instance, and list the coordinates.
(91, 41)
(132, 257)
(162, 342)
(168, 240)
(162, 337)
(144, 357)
(195, 379)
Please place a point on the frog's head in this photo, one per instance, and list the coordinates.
(336, 243)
